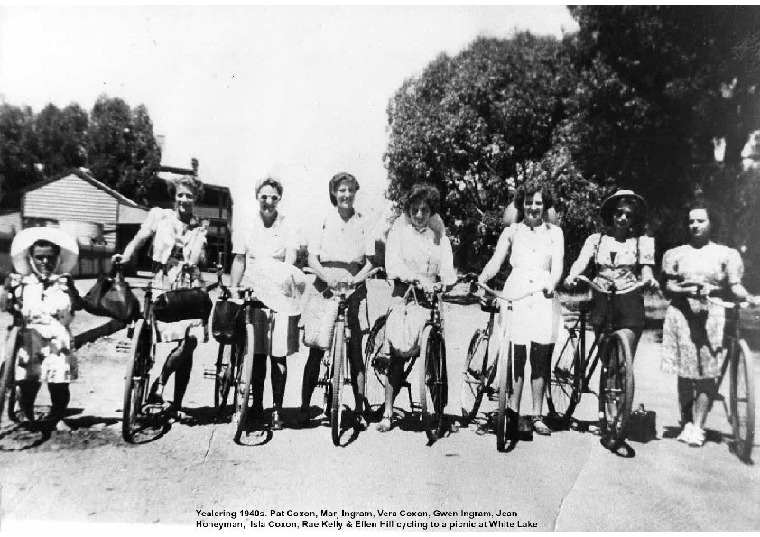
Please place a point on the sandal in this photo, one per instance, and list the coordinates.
(540, 427)
(360, 422)
(385, 424)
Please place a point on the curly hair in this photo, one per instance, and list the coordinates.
(423, 192)
(269, 181)
(527, 190)
(188, 181)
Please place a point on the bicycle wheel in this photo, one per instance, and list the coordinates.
(564, 391)
(475, 375)
(616, 387)
(504, 416)
(742, 391)
(8, 378)
(375, 365)
(136, 380)
(432, 383)
(243, 386)
(337, 392)
(225, 375)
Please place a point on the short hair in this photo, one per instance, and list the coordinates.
(715, 223)
(529, 189)
(336, 181)
(188, 181)
(269, 181)
(42, 243)
(423, 192)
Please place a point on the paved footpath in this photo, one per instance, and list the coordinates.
(565, 482)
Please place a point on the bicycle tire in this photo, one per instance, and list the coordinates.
(135, 380)
(475, 375)
(244, 386)
(742, 394)
(564, 391)
(616, 391)
(337, 392)
(8, 381)
(431, 383)
(503, 415)
(374, 378)
(225, 375)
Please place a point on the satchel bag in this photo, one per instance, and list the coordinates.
(226, 320)
(642, 426)
(112, 297)
(404, 327)
(181, 305)
(318, 320)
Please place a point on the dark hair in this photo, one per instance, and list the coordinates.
(715, 223)
(423, 192)
(527, 190)
(269, 181)
(42, 243)
(335, 182)
(187, 181)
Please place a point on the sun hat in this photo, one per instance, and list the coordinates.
(608, 206)
(335, 182)
(25, 238)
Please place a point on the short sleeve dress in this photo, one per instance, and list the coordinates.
(261, 243)
(692, 333)
(47, 353)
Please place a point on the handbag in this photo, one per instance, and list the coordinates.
(318, 319)
(182, 304)
(226, 320)
(642, 426)
(404, 327)
(112, 297)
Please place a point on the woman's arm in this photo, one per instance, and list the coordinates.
(362, 274)
(237, 270)
(500, 254)
(143, 235)
(558, 259)
(584, 258)
(394, 263)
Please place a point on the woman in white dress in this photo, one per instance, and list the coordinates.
(535, 250)
(269, 243)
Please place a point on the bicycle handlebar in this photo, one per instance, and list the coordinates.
(614, 291)
(512, 298)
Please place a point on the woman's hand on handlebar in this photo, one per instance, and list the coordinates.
(571, 282)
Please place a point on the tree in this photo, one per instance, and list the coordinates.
(479, 124)
(60, 138)
(123, 152)
(17, 162)
(467, 124)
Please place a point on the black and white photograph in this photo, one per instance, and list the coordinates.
(379, 268)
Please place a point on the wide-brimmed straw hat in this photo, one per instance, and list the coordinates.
(25, 238)
(608, 206)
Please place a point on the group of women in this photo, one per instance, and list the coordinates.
(418, 250)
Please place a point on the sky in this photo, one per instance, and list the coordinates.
(297, 92)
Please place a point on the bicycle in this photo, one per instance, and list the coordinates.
(13, 341)
(479, 375)
(616, 378)
(738, 363)
(336, 370)
(138, 409)
(501, 370)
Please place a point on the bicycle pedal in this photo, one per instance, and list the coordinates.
(209, 373)
(123, 346)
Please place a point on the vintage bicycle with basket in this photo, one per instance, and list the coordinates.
(180, 303)
(433, 378)
(335, 373)
(574, 369)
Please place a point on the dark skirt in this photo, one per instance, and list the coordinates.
(627, 311)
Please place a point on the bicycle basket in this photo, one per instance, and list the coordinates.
(182, 304)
